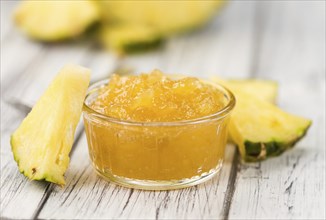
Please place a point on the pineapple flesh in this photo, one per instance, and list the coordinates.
(42, 143)
(263, 89)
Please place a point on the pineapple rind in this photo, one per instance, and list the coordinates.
(253, 150)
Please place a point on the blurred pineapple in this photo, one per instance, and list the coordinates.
(55, 20)
(125, 26)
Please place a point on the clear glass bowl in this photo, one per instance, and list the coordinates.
(156, 155)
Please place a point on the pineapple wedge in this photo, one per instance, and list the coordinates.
(42, 143)
(55, 20)
(261, 129)
(258, 127)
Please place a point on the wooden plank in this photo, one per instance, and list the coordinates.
(17, 54)
(6, 9)
(292, 52)
(32, 82)
(16, 190)
(87, 196)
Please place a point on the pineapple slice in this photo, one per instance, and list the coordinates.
(262, 130)
(259, 128)
(42, 143)
(55, 20)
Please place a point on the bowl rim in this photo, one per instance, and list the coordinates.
(225, 111)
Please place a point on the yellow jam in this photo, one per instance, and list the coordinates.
(155, 128)
(155, 97)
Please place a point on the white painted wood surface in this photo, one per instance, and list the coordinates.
(292, 53)
(284, 41)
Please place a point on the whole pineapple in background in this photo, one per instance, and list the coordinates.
(124, 26)
(42, 143)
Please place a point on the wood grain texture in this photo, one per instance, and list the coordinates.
(283, 41)
(292, 52)
(6, 8)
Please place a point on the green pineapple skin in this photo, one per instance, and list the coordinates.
(138, 47)
(259, 151)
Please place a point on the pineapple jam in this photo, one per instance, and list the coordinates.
(154, 128)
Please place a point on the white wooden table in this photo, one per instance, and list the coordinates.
(281, 40)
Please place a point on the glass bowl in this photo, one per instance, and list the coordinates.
(156, 155)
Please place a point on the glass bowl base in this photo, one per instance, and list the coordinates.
(159, 184)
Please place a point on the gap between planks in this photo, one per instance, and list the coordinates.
(257, 39)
